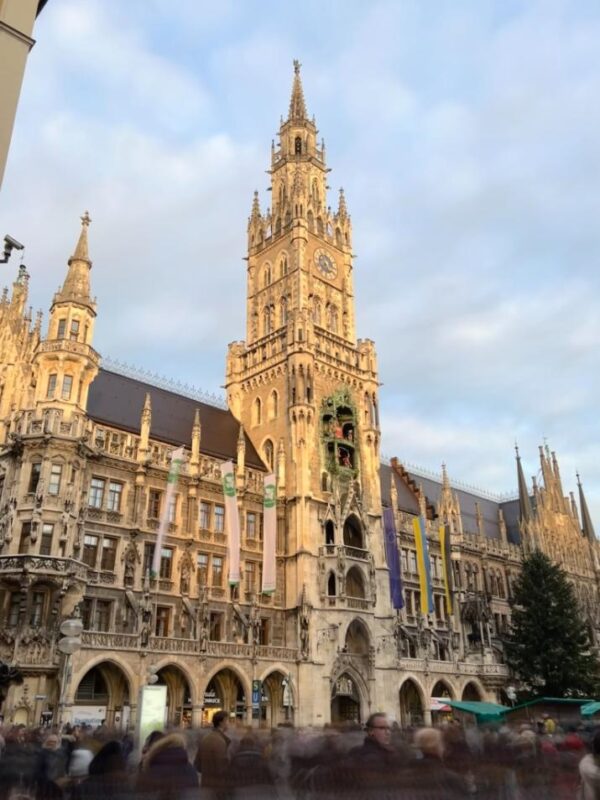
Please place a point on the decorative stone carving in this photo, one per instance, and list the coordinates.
(130, 558)
(304, 621)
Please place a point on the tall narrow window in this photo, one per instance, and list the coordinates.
(67, 387)
(50, 392)
(96, 497)
(298, 146)
(14, 609)
(74, 329)
(217, 571)
(250, 576)
(283, 266)
(102, 615)
(34, 476)
(250, 525)
(219, 519)
(154, 503)
(90, 550)
(163, 616)
(61, 330)
(55, 477)
(36, 610)
(166, 562)
(284, 311)
(204, 515)
(269, 453)
(109, 554)
(202, 573)
(257, 411)
(273, 405)
(115, 493)
(25, 539)
(148, 556)
(46, 539)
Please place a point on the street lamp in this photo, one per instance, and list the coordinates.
(69, 644)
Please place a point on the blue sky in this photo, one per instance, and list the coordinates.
(465, 135)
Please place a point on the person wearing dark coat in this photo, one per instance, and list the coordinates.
(166, 773)
(107, 776)
(211, 759)
(250, 776)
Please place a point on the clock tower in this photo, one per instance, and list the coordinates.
(303, 386)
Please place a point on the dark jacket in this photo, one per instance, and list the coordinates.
(107, 776)
(166, 773)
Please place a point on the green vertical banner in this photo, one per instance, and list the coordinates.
(270, 535)
(232, 522)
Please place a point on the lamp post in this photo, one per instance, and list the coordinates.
(69, 644)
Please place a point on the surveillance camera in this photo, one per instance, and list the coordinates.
(12, 243)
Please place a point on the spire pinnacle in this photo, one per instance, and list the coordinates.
(587, 527)
(297, 104)
(255, 213)
(81, 250)
(342, 210)
(525, 513)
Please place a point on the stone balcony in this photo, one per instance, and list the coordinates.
(100, 640)
(45, 566)
(351, 553)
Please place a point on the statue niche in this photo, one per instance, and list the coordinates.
(338, 435)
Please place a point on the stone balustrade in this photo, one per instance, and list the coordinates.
(45, 565)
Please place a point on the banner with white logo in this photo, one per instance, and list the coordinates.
(270, 535)
(174, 470)
(232, 522)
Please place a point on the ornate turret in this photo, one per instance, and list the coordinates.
(587, 527)
(65, 361)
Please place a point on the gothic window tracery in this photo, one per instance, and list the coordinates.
(273, 405)
(283, 265)
(269, 453)
(267, 275)
(284, 310)
(257, 411)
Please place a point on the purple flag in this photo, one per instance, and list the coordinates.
(393, 558)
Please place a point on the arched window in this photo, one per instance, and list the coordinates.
(319, 225)
(283, 265)
(267, 275)
(298, 146)
(284, 310)
(315, 191)
(269, 453)
(267, 322)
(273, 405)
(331, 585)
(353, 536)
(334, 319)
(311, 221)
(338, 237)
(329, 532)
(257, 411)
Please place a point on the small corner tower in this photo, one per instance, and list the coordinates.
(65, 361)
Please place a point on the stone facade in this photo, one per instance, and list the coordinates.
(85, 453)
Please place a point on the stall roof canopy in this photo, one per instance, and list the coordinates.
(582, 701)
(484, 711)
(590, 709)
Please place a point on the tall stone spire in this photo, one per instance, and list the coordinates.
(525, 512)
(587, 527)
(76, 287)
(297, 104)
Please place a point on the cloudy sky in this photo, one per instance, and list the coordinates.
(465, 135)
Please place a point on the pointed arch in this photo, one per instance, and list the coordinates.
(283, 315)
(267, 275)
(274, 404)
(257, 411)
(356, 583)
(283, 265)
(331, 585)
(269, 453)
(357, 640)
(353, 532)
(412, 702)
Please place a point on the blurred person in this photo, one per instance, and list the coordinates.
(166, 772)
(107, 776)
(249, 772)
(212, 757)
(428, 777)
(53, 766)
(589, 771)
(152, 737)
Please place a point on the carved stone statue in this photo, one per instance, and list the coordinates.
(130, 557)
(304, 620)
(254, 621)
(11, 517)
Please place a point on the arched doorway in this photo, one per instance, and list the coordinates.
(179, 696)
(345, 700)
(353, 534)
(224, 692)
(355, 588)
(277, 704)
(102, 694)
(471, 693)
(440, 712)
(357, 639)
(411, 705)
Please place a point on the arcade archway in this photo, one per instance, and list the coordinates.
(471, 692)
(440, 712)
(102, 694)
(179, 696)
(277, 705)
(224, 692)
(411, 705)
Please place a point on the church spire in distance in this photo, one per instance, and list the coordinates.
(587, 527)
(297, 105)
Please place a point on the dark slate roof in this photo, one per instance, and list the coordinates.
(407, 501)
(118, 400)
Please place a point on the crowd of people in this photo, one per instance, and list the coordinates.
(378, 762)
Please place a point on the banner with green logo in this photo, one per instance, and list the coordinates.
(232, 522)
(270, 534)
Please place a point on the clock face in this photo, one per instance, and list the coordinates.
(325, 263)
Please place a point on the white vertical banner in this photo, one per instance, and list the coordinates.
(232, 522)
(269, 534)
(174, 470)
